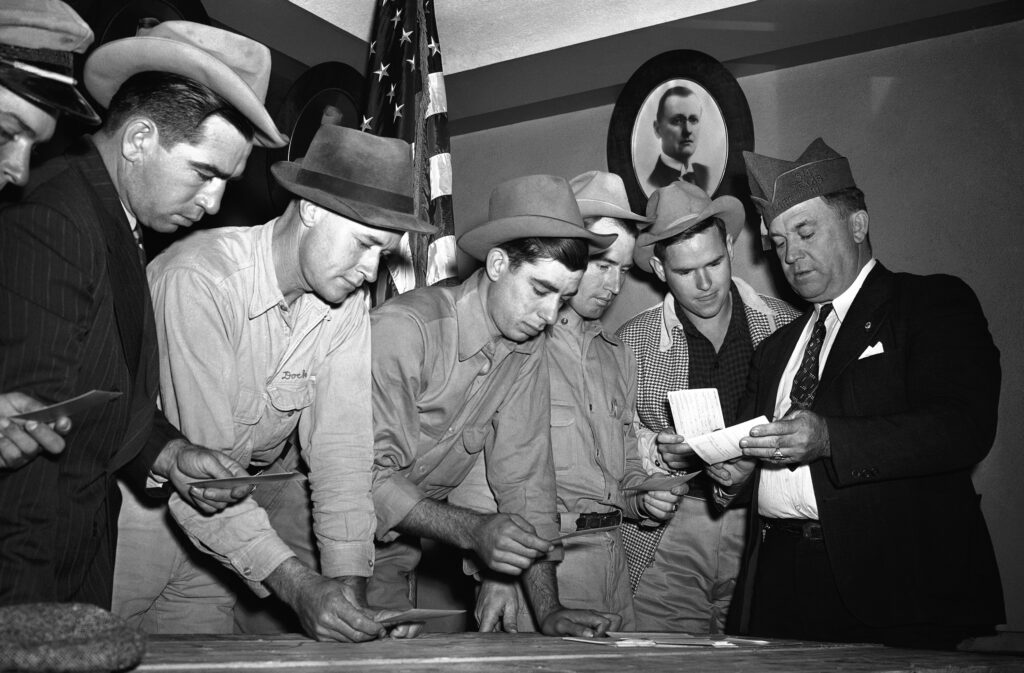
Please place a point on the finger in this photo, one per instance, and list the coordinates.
(19, 439)
(220, 495)
(522, 543)
(518, 561)
(195, 499)
(614, 621)
(62, 425)
(10, 455)
(45, 436)
(506, 568)
(509, 618)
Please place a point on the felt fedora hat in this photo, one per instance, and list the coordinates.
(679, 207)
(363, 177)
(600, 194)
(232, 65)
(38, 39)
(530, 206)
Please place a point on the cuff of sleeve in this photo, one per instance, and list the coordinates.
(348, 559)
(394, 496)
(254, 563)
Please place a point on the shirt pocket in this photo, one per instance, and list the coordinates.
(290, 397)
(565, 447)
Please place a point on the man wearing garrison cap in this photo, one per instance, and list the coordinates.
(865, 525)
(184, 108)
(38, 40)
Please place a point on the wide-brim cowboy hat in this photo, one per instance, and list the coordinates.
(679, 207)
(232, 65)
(540, 206)
(600, 194)
(37, 41)
(363, 177)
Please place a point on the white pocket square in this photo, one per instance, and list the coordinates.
(877, 349)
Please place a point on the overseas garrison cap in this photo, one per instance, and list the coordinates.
(776, 185)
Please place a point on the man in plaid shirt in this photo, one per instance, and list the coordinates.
(701, 336)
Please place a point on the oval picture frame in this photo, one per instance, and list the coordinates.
(649, 153)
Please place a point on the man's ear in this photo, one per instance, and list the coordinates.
(138, 137)
(496, 263)
(309, 212)
(658, 268)
(858, 223)
(728, 245)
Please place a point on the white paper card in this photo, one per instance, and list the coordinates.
(696, 411)
(724, 444)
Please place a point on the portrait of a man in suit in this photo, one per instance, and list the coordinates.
(677, 126)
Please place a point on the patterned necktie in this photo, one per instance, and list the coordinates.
(805, 383)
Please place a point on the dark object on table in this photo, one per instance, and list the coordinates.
(66, 637)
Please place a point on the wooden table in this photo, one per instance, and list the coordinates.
(504, 653)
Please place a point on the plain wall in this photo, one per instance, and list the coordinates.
(932, 132)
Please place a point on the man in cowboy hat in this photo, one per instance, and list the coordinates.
(264, 331)
(184, 104)
(38, 40)
(462, 370)
(878, 510)
(701, 336)
(593, 442)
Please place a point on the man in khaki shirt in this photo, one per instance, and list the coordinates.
(460, 371)
(264, 332)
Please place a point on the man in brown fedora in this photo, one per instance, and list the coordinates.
(593, 440)
(702, 335)
(184, 105)
(264, 331)
(38, 40)
(884, 397)
(462, 370)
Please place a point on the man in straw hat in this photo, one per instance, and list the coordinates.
(877, 508)
(701, 336)
(184, 104)
(462, 370)
(264, 331)
(593, 441)
(38, 40)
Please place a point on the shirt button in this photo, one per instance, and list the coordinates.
(565, 321)
(370, 563)
(247, 571)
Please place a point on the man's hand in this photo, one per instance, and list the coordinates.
(800, 437)
(329, 609)
(21, 441)
(579, 623)
(508, 544)
(497, 606)
(662, 505)
(676, 454)
(731, 474)
(182, 463)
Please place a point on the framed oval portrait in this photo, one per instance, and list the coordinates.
(681, 116)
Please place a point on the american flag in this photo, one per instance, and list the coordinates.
(406, 99)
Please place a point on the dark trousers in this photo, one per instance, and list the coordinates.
(796, 596)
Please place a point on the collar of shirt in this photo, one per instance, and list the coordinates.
(673, 163)
(670, 320)
(841, 304)
(736, 319)
(571, 321)
(265, 292)
(476, 329)
(132, 220)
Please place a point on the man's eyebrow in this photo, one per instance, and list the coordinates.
(25, 128)
(683, 269)
(212, 170)
(546, 285)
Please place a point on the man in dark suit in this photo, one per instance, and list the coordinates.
(184, 105)
(38, 40)
(865, 523)
(677, 125)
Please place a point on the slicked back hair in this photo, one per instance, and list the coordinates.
(845, 202)
(572, 253)
(178, 105)
(661, 246)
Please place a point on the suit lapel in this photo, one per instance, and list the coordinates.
(860, 327)
(127, 277)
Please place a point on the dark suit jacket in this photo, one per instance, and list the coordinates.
(903, 528)
(76, 316)
(663, 175)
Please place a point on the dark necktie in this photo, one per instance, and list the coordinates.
(805, 382)
(689, 177)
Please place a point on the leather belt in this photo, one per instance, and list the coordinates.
(809, 529)
(574, 521)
